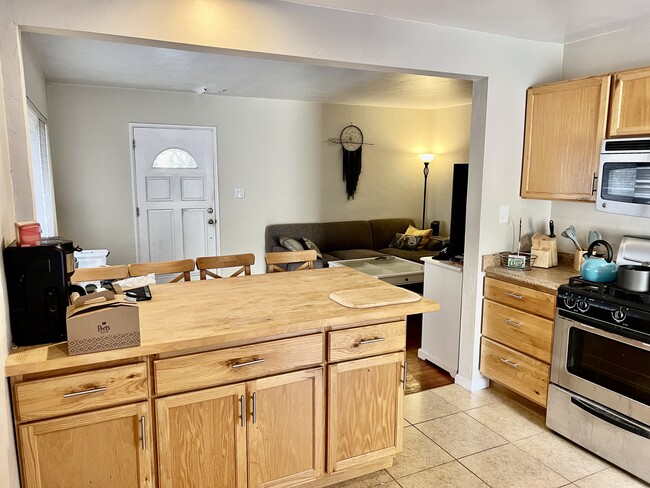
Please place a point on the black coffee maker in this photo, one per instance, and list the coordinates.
(38, 280)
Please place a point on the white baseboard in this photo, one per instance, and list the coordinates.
(479, 383)
(452, 369)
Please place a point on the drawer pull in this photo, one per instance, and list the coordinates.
(254, 407)
(404, 377)
(143, 433)
(509, 363)
(513, 323)
(371, 341)
(514, 295)
(85, 392)
(242, 409)
(248, 363)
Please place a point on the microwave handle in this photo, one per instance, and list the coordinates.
(611, 417)
(594, 187)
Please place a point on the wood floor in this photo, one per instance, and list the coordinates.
(421, 375)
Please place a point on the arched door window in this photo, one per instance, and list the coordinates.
(174, 158)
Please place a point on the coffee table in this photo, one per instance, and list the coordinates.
(391, 269)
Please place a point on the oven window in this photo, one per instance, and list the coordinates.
(626, 182)
(611, 364)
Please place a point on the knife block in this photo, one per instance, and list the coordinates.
(545, 248)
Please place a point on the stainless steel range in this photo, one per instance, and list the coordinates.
(599, 395)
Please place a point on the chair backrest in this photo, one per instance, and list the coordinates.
(244, 261)
(182, 266)
(82, 275)
(307, 259)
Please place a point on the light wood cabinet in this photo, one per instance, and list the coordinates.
(107, 448)
(565, 124)
(630, 105)
(517, 337)
(365, 410)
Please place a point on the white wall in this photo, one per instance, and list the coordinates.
(8, 467)
(274, 149)
(34, 82)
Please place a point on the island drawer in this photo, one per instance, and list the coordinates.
(525, 332)
(81, 392)
(203, 370)
(521, 297)
(366, 341)
(519, 372)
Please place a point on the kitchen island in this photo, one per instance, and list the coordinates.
(253, 381)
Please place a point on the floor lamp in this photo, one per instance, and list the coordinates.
(426, 159)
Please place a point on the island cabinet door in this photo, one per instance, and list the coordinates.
(286, 429)
(107, 448)
(365, 419)
(202, 438)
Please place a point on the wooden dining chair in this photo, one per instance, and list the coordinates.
(182, 266)
(273, 259)
(82, 275)
(205, 264)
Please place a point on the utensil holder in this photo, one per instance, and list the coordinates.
(578, 258)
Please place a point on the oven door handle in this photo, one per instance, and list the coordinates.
(611, 417)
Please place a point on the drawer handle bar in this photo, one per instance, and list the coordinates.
(143, 433)
(85, 392)
(514, 295)
(370, 341)
(248, 363)
(509, 363)
(242, 409)
(513, 323)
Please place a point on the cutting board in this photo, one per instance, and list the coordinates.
(374, 297)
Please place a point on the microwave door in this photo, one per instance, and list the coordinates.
(624, 185)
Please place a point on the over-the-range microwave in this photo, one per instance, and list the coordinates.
(624, 177)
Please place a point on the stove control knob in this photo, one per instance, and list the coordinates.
(618, 315)
(570, 301)
(582, 305)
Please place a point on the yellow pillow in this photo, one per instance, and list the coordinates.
(426, 235)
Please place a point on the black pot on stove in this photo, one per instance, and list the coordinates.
(634, 277)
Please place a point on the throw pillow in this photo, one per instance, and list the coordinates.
(290, 243)
(309, 244)
(426, 235)
(404, 242)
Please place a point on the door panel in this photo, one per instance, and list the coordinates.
(175, 178)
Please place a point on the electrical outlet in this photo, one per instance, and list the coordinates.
(503, 214)
(240, 193)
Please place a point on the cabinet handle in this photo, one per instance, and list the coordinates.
(143, 433)
(509, 363)
(594, 189)
(513, 323)
(370, 341)
(404, 377)
(85, 392)
(248, 363)
(514, 295)
(242, 409)
(254, 407)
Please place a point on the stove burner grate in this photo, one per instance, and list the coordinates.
(603, 290)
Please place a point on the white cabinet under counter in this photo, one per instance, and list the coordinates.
(443, 282)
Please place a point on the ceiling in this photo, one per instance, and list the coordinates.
(76, 60)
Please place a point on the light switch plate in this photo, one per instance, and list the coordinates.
(503, 214)
(240, 193)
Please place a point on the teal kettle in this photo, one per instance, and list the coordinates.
(597, 269)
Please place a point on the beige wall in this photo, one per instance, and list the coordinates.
(274, 149)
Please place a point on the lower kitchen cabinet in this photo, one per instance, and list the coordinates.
(108, 448)
(365, 419)
(277, 423)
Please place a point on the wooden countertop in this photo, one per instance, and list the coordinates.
(207, 313)
(542, 279)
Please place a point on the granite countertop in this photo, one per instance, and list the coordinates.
(543, 279)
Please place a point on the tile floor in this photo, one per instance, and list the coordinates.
(457, 439)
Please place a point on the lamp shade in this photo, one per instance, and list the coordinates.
(427, 158)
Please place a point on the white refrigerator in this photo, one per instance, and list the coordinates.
(443, 283)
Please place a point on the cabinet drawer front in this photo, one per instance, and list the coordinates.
(213, 368)
(527, 333)
(519, 372)
(366, 341)
(526, 299)
(81, 392)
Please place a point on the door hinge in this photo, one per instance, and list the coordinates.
(133, 143)
(137, 211)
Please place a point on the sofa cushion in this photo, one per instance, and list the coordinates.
(407, 243)
(424, 233)
(356, 254)
(309, 244)
(410, 255)
(290, 243)
(353, 234)
(383, 231)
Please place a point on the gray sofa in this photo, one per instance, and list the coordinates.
(350, 239)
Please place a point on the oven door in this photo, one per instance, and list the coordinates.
(606, 368)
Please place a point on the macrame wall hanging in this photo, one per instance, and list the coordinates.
(351, 141)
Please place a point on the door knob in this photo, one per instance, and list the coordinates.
(210, 221)
(210, 210)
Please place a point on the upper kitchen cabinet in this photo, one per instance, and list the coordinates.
(630, 107)
(565, 124)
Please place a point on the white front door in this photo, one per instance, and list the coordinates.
(176, 192)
